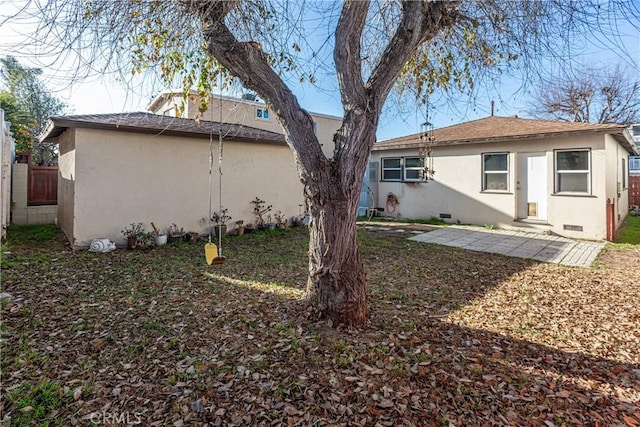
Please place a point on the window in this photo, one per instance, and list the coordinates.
(413, 167)
(495, 172)
(392, 169)
(404, 169)
(624, 173)
(634, 164)
(262, 113)
(573, 171)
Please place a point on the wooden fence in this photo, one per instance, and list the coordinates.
(634, 190)
(43, 185)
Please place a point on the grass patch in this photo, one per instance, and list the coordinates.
(427, 221)
(630, 231)
(35, 403)
(23, 234)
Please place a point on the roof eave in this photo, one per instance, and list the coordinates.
(57, 125)
(414, 144)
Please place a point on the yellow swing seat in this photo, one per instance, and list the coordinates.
(212, 255)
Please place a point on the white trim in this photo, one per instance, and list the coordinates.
(557, 173)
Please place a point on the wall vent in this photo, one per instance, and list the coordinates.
(572, 227)
(445, 216)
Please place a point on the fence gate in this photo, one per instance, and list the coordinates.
(43, 185)
(634, 190)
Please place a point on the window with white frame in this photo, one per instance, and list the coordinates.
(413, 167)
(573, 171)
(403, 169)
(624, 173)
(392, 169)
(495, 172)
(634, 164)
(262, 113)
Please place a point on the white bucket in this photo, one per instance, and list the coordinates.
(161, 240)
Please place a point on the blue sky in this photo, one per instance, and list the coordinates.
(112, 93)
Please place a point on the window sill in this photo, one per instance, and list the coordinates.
(495, 192)
(402, 182)
(574, 195)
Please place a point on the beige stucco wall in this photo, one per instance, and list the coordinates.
(123, 177)
(21, 213)
(243, 112)
(614, 188)
(458, 180)
(66, 182)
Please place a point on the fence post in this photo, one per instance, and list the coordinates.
(611, 223)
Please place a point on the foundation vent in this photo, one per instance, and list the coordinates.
(572, 227)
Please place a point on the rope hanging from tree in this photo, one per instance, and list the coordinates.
(213, 253)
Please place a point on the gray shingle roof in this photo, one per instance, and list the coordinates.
(150, 123)
(497, 129)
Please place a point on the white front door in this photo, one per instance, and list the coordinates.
(532, 186)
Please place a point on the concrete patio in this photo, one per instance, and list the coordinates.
(540, 247)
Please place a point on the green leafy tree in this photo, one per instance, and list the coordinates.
(366, 47)
(31, 104)
(21, 121)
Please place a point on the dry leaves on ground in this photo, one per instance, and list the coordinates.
(455, 338)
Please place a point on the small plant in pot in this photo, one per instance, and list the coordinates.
(281, 220)
(136, 235)
(220, 219)
(249, 228)
(260, 209)
(160, 236)
(240, 227)
(175, 234)
(271, 225)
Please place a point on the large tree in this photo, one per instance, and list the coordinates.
(30, 104)
(591, 95)
(368, 46)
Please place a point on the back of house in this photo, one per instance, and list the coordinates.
(566, 178)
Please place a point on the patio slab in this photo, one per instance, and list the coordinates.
(553, 249)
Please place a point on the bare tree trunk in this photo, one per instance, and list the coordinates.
(337, 284)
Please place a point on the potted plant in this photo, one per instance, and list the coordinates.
(136, 235)
(270, 224)
(249, 228)
(259, 210)
(191, 237)
(220, 219)
(160, 237)
(240, 227)
(299, 220)
(175, 234)
(281, 220)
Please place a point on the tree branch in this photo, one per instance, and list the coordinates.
(347, 54)
(421, 21)
(248, 62)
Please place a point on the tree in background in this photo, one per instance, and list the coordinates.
(28, 104)
(591, 95)
(22, 124)
(369, 47)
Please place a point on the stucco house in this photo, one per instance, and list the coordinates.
(247, 111)
(535, 175)
(117, 169)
